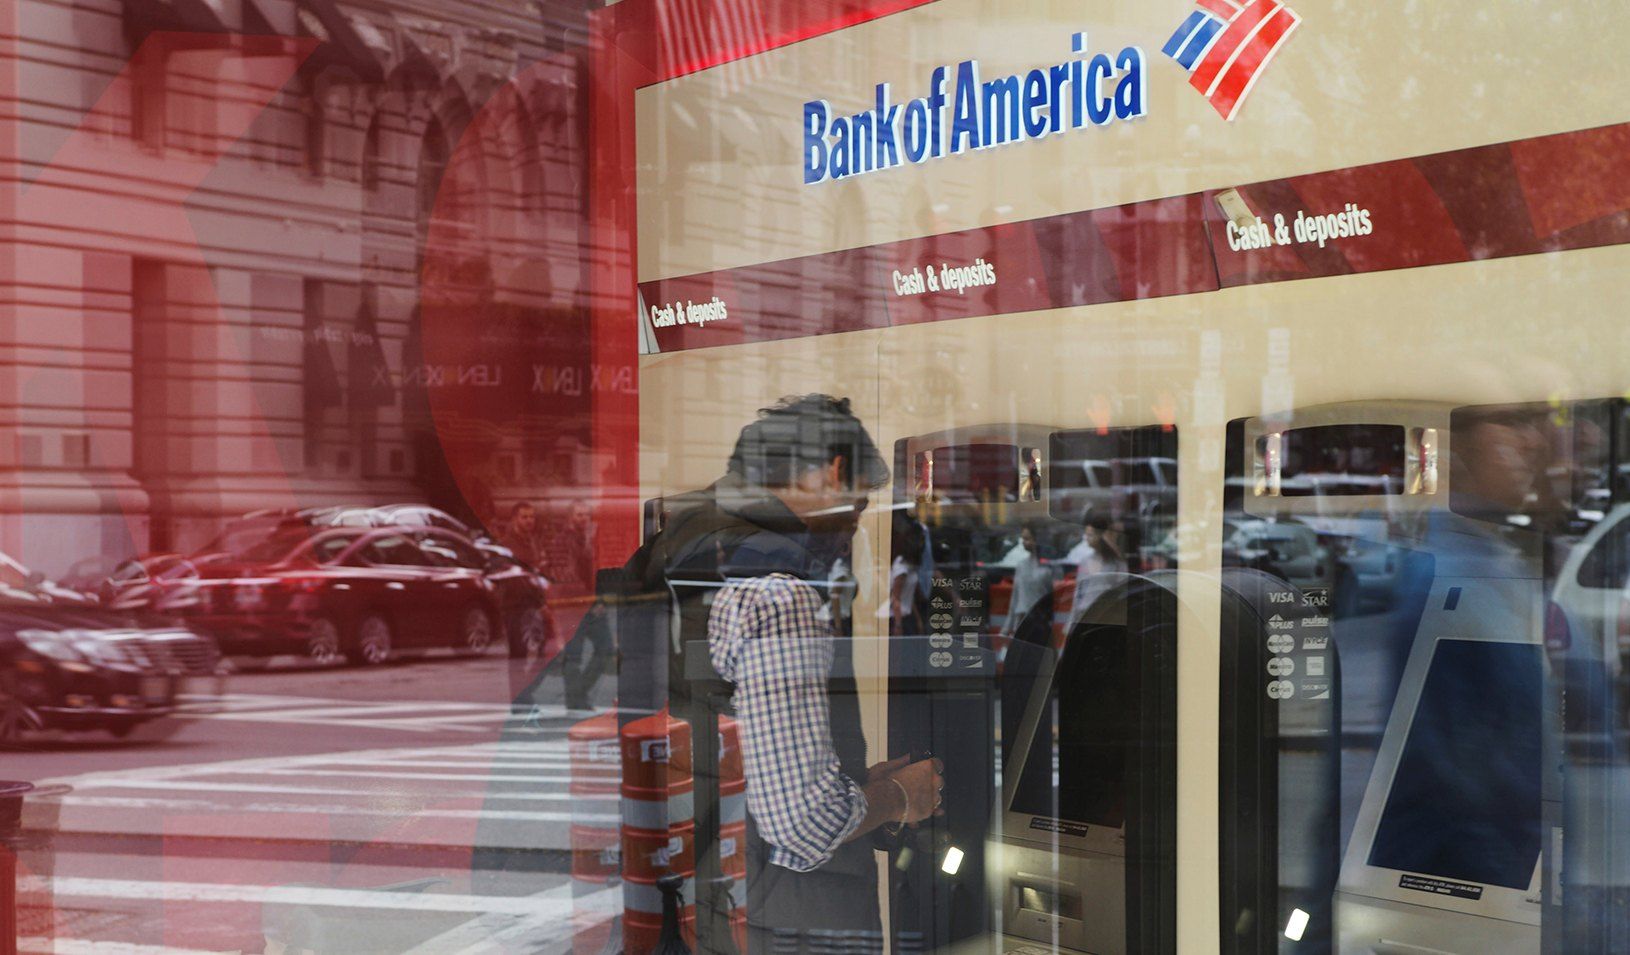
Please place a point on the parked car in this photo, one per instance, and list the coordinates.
(1369, 573)
(72, 667)
(20, 583)
(364, 594)
(1128, 490)
(1290, 551)
(1587, 636)
(259, 525)
(139, 575)
(523, 593)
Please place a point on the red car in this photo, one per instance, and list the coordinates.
(364, 594)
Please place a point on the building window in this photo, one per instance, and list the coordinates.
(372, 153)
(316, 135)
(432, 168)
(148, 100)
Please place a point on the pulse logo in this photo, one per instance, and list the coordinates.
(1227, 44)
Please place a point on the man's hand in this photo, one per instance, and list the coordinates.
(880, 771)
(901, 791)
(922, 782)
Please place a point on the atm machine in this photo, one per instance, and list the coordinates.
(1448, 783)
(1083, 857)
(960, 497)
(1075, 850)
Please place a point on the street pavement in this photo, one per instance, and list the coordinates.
(410, 808)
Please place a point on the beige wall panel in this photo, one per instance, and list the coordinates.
(1520, 329)
(720, 181)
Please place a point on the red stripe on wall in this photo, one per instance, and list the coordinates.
(1256, 53)
(1574, 178)
(1234, 35)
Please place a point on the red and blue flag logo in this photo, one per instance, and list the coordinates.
(1227, 44)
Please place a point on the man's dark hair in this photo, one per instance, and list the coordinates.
(516, 508)
(798, 434)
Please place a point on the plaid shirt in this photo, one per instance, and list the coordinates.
(771, 637)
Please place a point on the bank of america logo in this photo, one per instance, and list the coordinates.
(1227, 44)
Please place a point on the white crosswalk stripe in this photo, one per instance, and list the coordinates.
(508, 795)
(405, 716)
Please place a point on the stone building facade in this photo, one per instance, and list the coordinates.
(285, 253)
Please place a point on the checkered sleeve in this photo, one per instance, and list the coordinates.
(768, 636)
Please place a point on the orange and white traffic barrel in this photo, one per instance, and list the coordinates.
(596, 845)
(659, 831)
(733, 826)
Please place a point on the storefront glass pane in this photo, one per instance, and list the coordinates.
(975, 476)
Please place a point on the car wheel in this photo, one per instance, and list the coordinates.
(16, 716)
(475, 631)
(323, 643)
(373, 643)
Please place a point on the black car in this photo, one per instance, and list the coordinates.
(82, 668)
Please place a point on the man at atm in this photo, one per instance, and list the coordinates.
(796, 485)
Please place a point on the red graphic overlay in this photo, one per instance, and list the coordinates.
(1466, 205)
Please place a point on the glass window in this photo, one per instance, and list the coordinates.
(328, 548)
(448, 551)
(791, 449)
(394, 551)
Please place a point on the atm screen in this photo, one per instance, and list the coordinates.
(1465, 800)
(1348, 459)
(1091, 720)
(975, 473)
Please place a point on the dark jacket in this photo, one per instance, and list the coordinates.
(734, 530)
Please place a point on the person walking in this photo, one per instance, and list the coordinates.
(1096, 559)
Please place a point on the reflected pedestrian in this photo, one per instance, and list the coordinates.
(520, 532)
(1032, 581)
(1096, 559)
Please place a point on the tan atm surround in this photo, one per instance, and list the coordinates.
(1524, 329)
(1521, 329)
